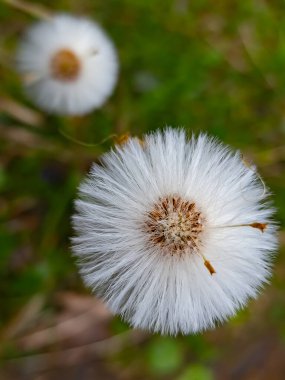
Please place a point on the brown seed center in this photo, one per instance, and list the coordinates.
(175, 225)
(65, 65)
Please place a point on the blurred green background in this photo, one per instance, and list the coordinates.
(205, 65)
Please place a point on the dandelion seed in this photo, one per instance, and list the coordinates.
(155, 237)
(68, 64)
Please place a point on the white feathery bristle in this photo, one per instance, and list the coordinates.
(173, 234)
(68, 64)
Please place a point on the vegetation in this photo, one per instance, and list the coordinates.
(208, 66)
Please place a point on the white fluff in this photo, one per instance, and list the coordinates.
(95, 51)
(152, 289)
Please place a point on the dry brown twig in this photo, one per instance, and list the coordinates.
(34, 10)
(65, 329)
(81, 354)
(20, 112)
(93, 315)
(17, 134)
(23, 318)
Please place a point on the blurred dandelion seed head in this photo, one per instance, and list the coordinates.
(68, 64)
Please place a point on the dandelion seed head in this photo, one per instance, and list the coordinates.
(174, 234)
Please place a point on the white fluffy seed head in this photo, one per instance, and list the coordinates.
(68, 64)
(174, 234)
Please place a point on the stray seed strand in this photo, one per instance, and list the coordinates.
(252, 167)
(247, 163)
(209, 266)
(260, 226)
